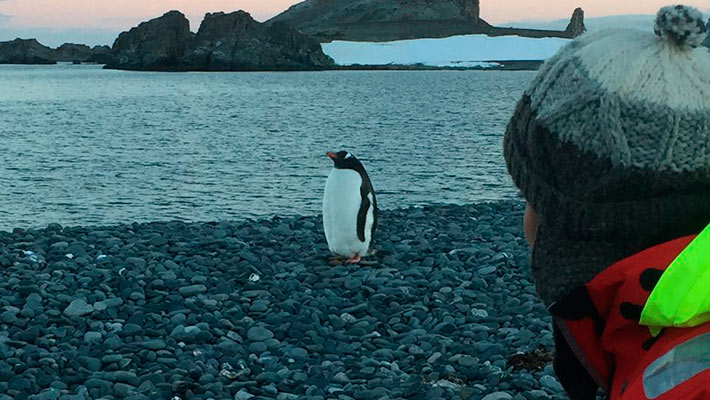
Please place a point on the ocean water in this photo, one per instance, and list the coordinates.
(86, 146)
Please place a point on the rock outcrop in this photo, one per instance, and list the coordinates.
(574, 28)
(388, 20)
(71, 52)
(289, 41)
(25, 51)
(156, 45)
(236, 42)
(576, 24)
(224, 42)
(100, 54)
(30, 51)
(383, 20)
(706, 43)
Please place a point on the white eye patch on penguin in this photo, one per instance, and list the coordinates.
(349, 208)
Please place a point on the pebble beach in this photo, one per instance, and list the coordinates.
(257, 309)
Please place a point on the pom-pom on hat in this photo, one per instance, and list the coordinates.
(684, 26)
(611, 146)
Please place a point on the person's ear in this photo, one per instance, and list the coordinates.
(530, 223)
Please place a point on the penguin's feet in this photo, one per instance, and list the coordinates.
(354, 259)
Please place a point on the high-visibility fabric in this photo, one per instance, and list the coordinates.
(682, 296)
(639, 386)
(678, 366)
(600, 321)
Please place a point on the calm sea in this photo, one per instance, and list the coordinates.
(82, 145)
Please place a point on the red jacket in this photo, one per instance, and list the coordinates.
(601, 324)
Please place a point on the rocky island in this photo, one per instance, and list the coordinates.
(389, 20)
(30, 51)
(224, 42)
(25, 51)
(293, 40)
(78, 53)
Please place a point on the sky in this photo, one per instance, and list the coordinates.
(99, 21)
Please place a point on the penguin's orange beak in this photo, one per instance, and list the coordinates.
(331, 155)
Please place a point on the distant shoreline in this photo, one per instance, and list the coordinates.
(515, 65)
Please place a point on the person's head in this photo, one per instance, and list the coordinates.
(610, 146)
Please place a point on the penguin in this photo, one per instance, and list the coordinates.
(349, 208)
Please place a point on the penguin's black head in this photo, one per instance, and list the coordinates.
(345, 160)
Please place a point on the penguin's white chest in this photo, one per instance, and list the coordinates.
(341, 204)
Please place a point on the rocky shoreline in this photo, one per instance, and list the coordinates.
(255, 309)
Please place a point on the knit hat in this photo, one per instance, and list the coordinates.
(611, 146)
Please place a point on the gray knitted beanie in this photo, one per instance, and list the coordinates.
(611, 146)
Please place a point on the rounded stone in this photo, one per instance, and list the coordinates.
(259, 334)
(92, 337)
(257, 347)
(8, 317)
(78, 308)
(299, 353)
(498, 396)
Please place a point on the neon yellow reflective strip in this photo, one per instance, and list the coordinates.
(682, 296)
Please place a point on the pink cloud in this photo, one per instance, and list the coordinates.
(509, 10)
(123, 14)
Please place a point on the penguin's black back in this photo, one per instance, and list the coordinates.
(345, 160)
(365, 189)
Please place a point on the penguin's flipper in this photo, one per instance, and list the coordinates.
(375, 218)
(365, 205)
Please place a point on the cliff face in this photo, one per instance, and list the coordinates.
(25, 51)
(224, 42)
(706, 43)
(236, 42)
(30, 51)
(158, 44)
(388, 20)
(71, 52)
(311, 13)
(383, 20)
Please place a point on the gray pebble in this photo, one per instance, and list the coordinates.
(299, 353)
(259, 334)
(487, 270)
(243, 395)
(78, 308)
(551, 383)
(192, 290)
(93, 337)
(498, 396)
(8, 317)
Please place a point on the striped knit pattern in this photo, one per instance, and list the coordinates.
(611, 146)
